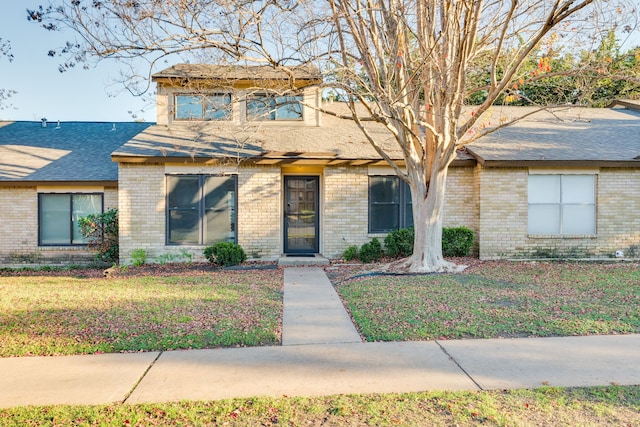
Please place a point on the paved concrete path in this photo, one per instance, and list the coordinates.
(313, 312)
(330, 361)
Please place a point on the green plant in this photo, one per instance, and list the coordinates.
(457, 241)
(182, 256)
(139, 257)
(101, 232)
(350, 253)
(399, 243)
(371, 252)
(225, 254)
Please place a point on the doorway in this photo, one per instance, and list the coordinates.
(301, 214)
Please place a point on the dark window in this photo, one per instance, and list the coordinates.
(273, 107)
(203, 107)
(58, 216)
(390, 205)
(201, 209)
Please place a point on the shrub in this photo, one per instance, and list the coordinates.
(139, 257)
(225, 254)
(101, 232)
(350, 253)
(399, 243)
(371, 252)
(457, 241)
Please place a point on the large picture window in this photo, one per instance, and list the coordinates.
(215, 106)
(59, 214)
(201, 209)
(562, 204)
(389, 204)
(273, 107)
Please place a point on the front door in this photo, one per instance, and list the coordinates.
(301, 214)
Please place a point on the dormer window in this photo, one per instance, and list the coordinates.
(215, 106)
(265, 106)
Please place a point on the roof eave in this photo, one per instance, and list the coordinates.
(561, 163)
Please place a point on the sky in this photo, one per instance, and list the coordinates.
(75, 95)
(44, 92)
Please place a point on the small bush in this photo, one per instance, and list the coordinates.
(399, 243)
(457, 241)
(350, 253)
(225, 254)
(101, 232)
(371, 252)
(139, 257)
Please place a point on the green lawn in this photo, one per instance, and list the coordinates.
(77, 313)
(55, 315)
(594, 406)
(498, 299)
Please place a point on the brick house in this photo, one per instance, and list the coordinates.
(50, 175)
(241, 154)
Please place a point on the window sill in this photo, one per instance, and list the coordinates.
(562, 236)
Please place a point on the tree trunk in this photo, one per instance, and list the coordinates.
(427, 217)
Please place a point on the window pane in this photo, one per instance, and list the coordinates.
(578, 189)
(217, 107)
(408, 207)
(384, 189)
(578, 219)
(220, 198)
(183, 226)
(55, 219)
(259, 108)
(544, 188)
(288, 108)
(384, 217)
(188, 107)
(184, 192)
(544, 219)
(83, 205)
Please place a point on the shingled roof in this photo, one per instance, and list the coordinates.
(231, 75)
(70, 152)
(563, 136)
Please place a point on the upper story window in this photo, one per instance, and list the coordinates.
(264, 106)
(562, 204)
(216, 106)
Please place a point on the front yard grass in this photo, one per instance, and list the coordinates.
(498, 299)
(66, 314)
(551, 406)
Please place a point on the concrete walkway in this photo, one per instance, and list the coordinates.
(322, 354)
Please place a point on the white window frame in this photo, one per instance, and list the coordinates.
(558, 203)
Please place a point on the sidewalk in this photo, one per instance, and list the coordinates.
(319, 358)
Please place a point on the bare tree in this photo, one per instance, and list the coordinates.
(5, 94)
(406, 63)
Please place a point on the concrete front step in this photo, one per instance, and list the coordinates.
(291, 260)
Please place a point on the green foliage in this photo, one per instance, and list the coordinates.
(182, 256)
(457, 241)
(399, 243)
(139, 257)
(101, 231)
(350, 253)
(225, 254)
(371, 252)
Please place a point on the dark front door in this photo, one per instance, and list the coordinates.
(301, 214)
